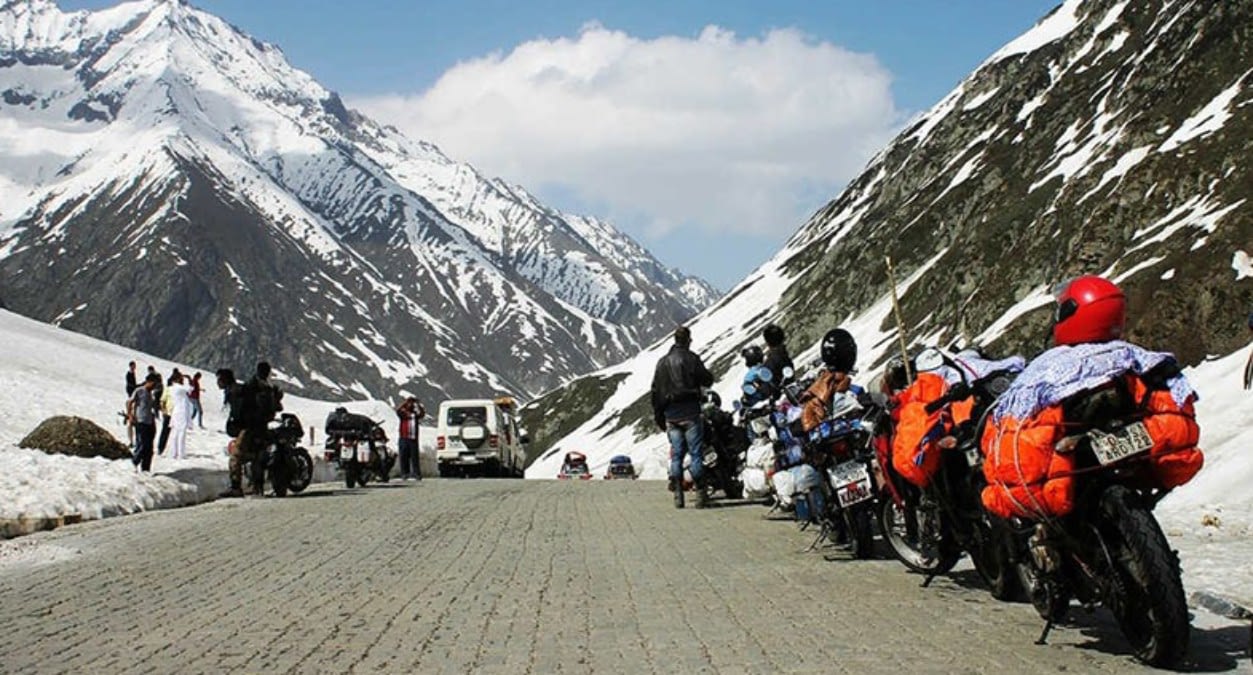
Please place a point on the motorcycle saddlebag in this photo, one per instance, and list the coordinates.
(1028, 478)
(915, 454)
(343, 423)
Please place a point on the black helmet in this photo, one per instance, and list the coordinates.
(839, 350)
(773, 335)
(712, 398)
(753, 356)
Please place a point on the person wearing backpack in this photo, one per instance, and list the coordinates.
(260, 401)
(233, 398)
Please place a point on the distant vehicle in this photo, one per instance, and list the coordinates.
(574, 467)
(480, 437)
(620, 466)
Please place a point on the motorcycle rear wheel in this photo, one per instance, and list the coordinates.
(1146, 595)
(860, 523)
(900, 527)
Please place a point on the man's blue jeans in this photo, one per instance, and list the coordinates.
(681, 433)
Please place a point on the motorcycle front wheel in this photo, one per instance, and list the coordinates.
(1146, 592)
(350, 474)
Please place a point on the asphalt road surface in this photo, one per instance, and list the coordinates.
(495, 576)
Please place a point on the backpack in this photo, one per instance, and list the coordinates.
(261, 401)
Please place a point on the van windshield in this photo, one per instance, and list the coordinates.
(459, 416)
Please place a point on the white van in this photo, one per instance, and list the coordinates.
(479, 437)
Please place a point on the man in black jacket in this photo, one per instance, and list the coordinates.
(676, 398)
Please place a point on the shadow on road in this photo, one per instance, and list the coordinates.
(1211, 649)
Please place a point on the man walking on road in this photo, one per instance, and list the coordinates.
(676, 398)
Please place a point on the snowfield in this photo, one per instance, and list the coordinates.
(49, 371)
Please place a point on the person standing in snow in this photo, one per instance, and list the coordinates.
(179, 393)
(410, 412)
(676, 399)
(141, 411)
(131, 385)
(777, 357)
(197, 411)
(167, 408)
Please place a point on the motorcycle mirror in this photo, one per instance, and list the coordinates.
(764, 374)
(736, 406)
(788, 372)
(928, 360)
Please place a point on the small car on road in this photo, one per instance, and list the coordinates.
(574, 467)
(620, 467)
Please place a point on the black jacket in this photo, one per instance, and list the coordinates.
(676, 385)
(776, 360)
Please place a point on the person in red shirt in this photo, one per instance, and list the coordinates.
(410, 412)
(197, 412)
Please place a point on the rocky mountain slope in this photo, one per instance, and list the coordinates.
(174, 185)
(1110, 138)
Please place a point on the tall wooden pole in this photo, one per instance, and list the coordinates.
(900, 323)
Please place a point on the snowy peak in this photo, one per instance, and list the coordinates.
(169, 148)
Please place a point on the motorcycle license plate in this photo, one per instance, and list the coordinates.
(851, 481)
(1132, 439)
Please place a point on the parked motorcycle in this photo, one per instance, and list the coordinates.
(1109, 550)
(929, 529)
(358, 446)
(724, 448)
(288, 466)
(841, 448)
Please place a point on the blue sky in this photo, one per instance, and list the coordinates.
(710, 146)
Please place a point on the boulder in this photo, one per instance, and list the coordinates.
(75, 436)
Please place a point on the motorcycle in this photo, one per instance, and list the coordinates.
(288, 465)
(358, 446)
(841, 448)
(929, 529)
(1110, 550)
(724, 448)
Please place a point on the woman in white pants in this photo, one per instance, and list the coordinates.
(180, 417)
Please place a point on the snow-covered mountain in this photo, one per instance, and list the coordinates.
(1113, 137)
(173, 185)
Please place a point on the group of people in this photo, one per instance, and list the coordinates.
(174, 402)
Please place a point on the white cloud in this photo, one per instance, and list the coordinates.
(726, 133)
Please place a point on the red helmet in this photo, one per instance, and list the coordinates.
(1089, 309)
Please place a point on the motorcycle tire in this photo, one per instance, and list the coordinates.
(860, 523)
(899, 524)
(1147, 595)
(302, 470)
(350, 474)
(993, 565)
(734, 489)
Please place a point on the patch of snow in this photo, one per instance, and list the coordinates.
(1210, 118)
(1052, 28)
(1242, 264)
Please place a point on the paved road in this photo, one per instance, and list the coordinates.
(507, 577)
